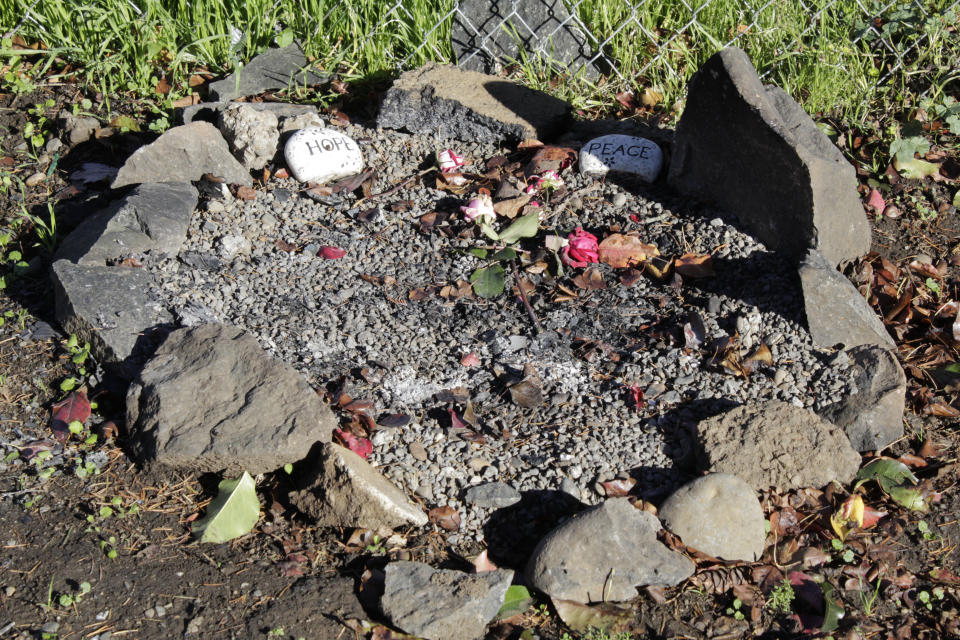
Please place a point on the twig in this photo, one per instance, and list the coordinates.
(397, 187)
(523, 297)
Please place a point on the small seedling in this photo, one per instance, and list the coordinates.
(927, 600)
(108, 547)
(925, 531)
(70, 599)
(781, 598)
(736, 610)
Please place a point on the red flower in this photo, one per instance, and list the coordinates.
(581, 249)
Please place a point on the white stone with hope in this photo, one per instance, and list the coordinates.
(322, 155)
(625, 154)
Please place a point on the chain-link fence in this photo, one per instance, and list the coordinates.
(816, 46)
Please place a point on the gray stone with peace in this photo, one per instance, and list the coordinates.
(322, 155)
(621, 153)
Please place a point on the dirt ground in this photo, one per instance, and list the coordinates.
(111, 552)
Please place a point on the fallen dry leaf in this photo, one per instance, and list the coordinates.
(619, 251)
(445, 517)
(74, 408)
(331, 253)
(590, 279)
(693, 266)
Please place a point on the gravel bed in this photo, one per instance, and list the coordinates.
(330, 318)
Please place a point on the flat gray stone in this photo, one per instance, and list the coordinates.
(447, 102)
(212, 400)
(152, 218)
(836, 312)
(872, 415)
(342, 489)
(775, 444)
(718, 514)
(487, 34)
(210, 111)
(252, 134)
(604, 554)
(183, 154)
(272, 69)
(439, 604)
(492, 495)
(621, 154)
(112, 308)
(753, 151)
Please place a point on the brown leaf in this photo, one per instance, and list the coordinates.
(550, 159)
(482, 564)
(693, 266)
(529, 143)
(510, 208)
(590, 279)
(912, 461)
(629, 277)
(627, 99)
(283, 245)
(246, 193)
(619, 251)
(445, 517)
(186, 101)
(527, 394)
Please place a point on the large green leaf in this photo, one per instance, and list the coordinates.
(915, 168)
(523, 227)
(504, 254)
(887, 471)
(516, 601)
(232, 513)
(833, 612)
(488, 281)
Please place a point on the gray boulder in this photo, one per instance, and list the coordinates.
(872, 415)
(210, 111)
(448, 102)
(151, 218)
(775, 444)
(836, 312)
(113, 309)
(753, 151)
(718, 514)
(183, 154)
(488, 33)
(251, 133)
(211, 400)
(342, 489)
(492, 495)
(272, 69)
(604, 554)
(439, 604)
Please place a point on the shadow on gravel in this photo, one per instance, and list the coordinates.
(513, 532)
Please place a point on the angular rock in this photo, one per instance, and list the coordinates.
(775, 444)
(322, 155)
(210, 111)
(440, 604)
(623, 154)
(301, 121)
(492, 495)
(211, 400)
(251, 133)
(112, 308)
(446, 102)
(272, 69)
(836, 312)
(488, 33)
(314, 607)
(183, 154)
(872, 415)
(604, 554)
(344, 490)
(753, 151)
(718, 514)
(152, 218)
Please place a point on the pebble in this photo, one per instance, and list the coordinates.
(326, 321)
(50, 627)
(35, 179)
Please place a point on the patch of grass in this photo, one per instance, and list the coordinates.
(830, 54)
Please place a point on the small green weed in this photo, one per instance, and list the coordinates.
(866, 600)
(594, 633)
(736, 609)
(781, 598)
(925, 531)
(925, 598)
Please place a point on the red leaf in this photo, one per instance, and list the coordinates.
(636, 396)
(871, 517)
(875, 202)
(75, 407)
(445, 517)
(360, 446)
(618, 488)
(330, 253)
(470, 360)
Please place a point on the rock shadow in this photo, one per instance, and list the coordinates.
(517, 99)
